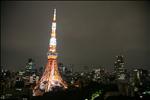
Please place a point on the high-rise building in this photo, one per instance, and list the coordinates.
(139, 81)
(119, 68)
(30, 67)
(51, 77)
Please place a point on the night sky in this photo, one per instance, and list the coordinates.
(88, 32)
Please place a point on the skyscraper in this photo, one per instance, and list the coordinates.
(119, 68)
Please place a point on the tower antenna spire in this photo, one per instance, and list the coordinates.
(52, 42)
(54, 17)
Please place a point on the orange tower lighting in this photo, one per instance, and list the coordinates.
(51, 77)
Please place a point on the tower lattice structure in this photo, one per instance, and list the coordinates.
(51, 77)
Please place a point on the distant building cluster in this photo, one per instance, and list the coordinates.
(134, 83)
(19, 80)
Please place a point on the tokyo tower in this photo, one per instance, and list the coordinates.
(51, 77)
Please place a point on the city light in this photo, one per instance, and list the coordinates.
(103, 51)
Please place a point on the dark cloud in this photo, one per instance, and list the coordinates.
(87, 32)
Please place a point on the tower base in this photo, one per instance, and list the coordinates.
(51, 79)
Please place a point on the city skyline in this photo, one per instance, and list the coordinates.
(88, 32)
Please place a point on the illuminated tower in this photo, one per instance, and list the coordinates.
(51, 77)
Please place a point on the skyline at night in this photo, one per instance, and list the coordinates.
(89, 32)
